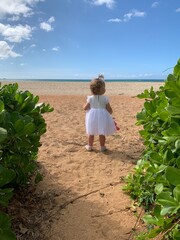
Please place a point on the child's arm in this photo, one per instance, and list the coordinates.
(108, 108)
(86, 106)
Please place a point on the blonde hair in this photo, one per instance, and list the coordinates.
(97, 86)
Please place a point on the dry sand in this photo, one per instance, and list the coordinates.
(81, 197)
(82, 88)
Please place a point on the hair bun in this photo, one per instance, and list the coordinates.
(101, 76)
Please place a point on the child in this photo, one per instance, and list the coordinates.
(98, 118)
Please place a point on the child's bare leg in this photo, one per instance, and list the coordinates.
(102, 140)
(90, 140)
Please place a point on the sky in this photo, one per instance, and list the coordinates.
(79, 39)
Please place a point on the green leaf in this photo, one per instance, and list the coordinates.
(36, 99)
(164, 115)
(145, 94)
(28, 128)
(161, 168)
(176, 193)
(173, 175)
(7, 235)
(5, 228)
(174, 130)
(176, 235)
(173, 86)
(6, 175)
(178, 162)
(4, 221)
(3, 134)
(152, 93)
(173, 110)
(149, 107)
(171, 77)
(177, 68)
(165, 198)
(5, 195)
(170, 93)
(175, 101)
(1, 106)
(169, 204)
(15, 116)
(168, 155)
(149, 219)
(2, 116)
(27, 119)
(155, 157)
(157, 211)
(141, 116)
(177, 144)
(158, 188)
(154, 232)
(19, 125)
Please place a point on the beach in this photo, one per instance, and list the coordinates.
(81, 194)
(82, 88)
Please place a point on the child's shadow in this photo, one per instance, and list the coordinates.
(123, 155)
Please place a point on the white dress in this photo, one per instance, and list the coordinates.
(98, 119)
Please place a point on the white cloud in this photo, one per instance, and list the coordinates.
(47, 25)
(133, 13)
(17, 7)
(33, 45)
(15, 33)
(14, 18)
(6, 51)
(56, 49)
(154, 4)
(128, 16)
(117, 20)
(108, 3)
(51, 19)
(178, 10)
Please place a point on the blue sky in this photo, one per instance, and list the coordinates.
(56, 39)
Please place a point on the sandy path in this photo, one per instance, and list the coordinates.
(86, 199)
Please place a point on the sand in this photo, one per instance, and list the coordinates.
(82, 88)
(81, 196)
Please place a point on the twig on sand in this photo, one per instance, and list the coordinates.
(136, 223)
(109, 213)
(64, 205)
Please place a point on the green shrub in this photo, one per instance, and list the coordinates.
(21, 126)
(155, 182)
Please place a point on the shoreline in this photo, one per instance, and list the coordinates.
(82, 88)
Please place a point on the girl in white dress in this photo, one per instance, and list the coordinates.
(98, 114)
